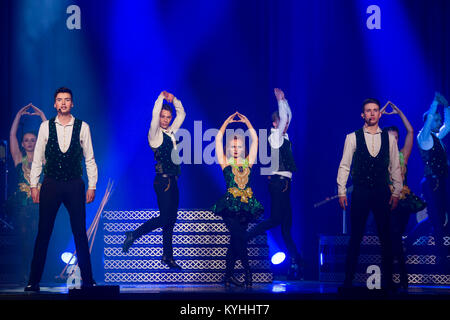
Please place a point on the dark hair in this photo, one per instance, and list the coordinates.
(275, 116)
(370, 100)
(425, 115)
(167, 107)
(64, 90)
(392, 128)
(29, 132)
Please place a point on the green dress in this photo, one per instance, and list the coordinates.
(409, 202)
(25, 217)
(239, 199)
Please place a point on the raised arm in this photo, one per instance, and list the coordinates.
(284, 111)
(155, 137)
(13, 142)
(221, 157)
(254, 136)
(424, 137)
(443, 131)
(409, 139)
(181, 114)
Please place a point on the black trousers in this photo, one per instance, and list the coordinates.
(72, 194)
(280, 213)
(167, 194)
(399, 220)
(237, 248)
(435, 192)
(364, 200)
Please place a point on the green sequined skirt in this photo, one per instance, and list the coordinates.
(230, 205)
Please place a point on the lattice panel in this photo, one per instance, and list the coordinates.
(200, 243)
(148, 214)
(180, 252)
(206, 239)
(185, 264)
(175, 277)
(421, 261)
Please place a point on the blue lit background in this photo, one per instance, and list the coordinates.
(216, 57)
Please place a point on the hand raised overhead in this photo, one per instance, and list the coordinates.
(278, 94)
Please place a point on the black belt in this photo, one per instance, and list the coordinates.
(165, 175)
(279, 177)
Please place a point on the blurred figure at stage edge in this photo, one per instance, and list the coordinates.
(434, 182)
(161, 138)
(238, 206)
(408, 203)
(373, 156)
(61, 144)
(279, 183)
(24, 213)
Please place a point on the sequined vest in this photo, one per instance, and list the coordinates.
(163, 158)
(63, 166)
(286, 158)
(435, 159)
(370, 171)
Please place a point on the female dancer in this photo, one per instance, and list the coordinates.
(408, 203)
(237, 206)
(25, 212)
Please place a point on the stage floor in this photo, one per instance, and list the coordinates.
(277, 290)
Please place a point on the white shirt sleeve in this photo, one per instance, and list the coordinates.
(88, 152)
(180, 115)
(446, 127)
(345, 164)
(424, 138)
(395, 170)
(155, 135)
(276, 138)
(39, 155)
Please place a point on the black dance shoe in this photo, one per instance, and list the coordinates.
(88, 285)
(248, 279)
(229, 280)
(295, 271)
(170, 263)
(128, 241)
(32, 288)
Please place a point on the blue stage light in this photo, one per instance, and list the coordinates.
(278, 258)
(67, 257)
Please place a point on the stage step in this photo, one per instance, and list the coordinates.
(421, 262)
(200, 242)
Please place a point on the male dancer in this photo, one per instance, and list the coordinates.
(61, 144)
(280, 185)
(434, 183)
(161, 138)
(374, 157)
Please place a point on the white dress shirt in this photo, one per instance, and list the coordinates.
(276, 137)
(155, 133)
(373, 142)
(424, 138)
(64, 134)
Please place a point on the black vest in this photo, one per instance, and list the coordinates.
(368, 171)
(435, 159)
(163, 158)
(63, 166)
(286, 159)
